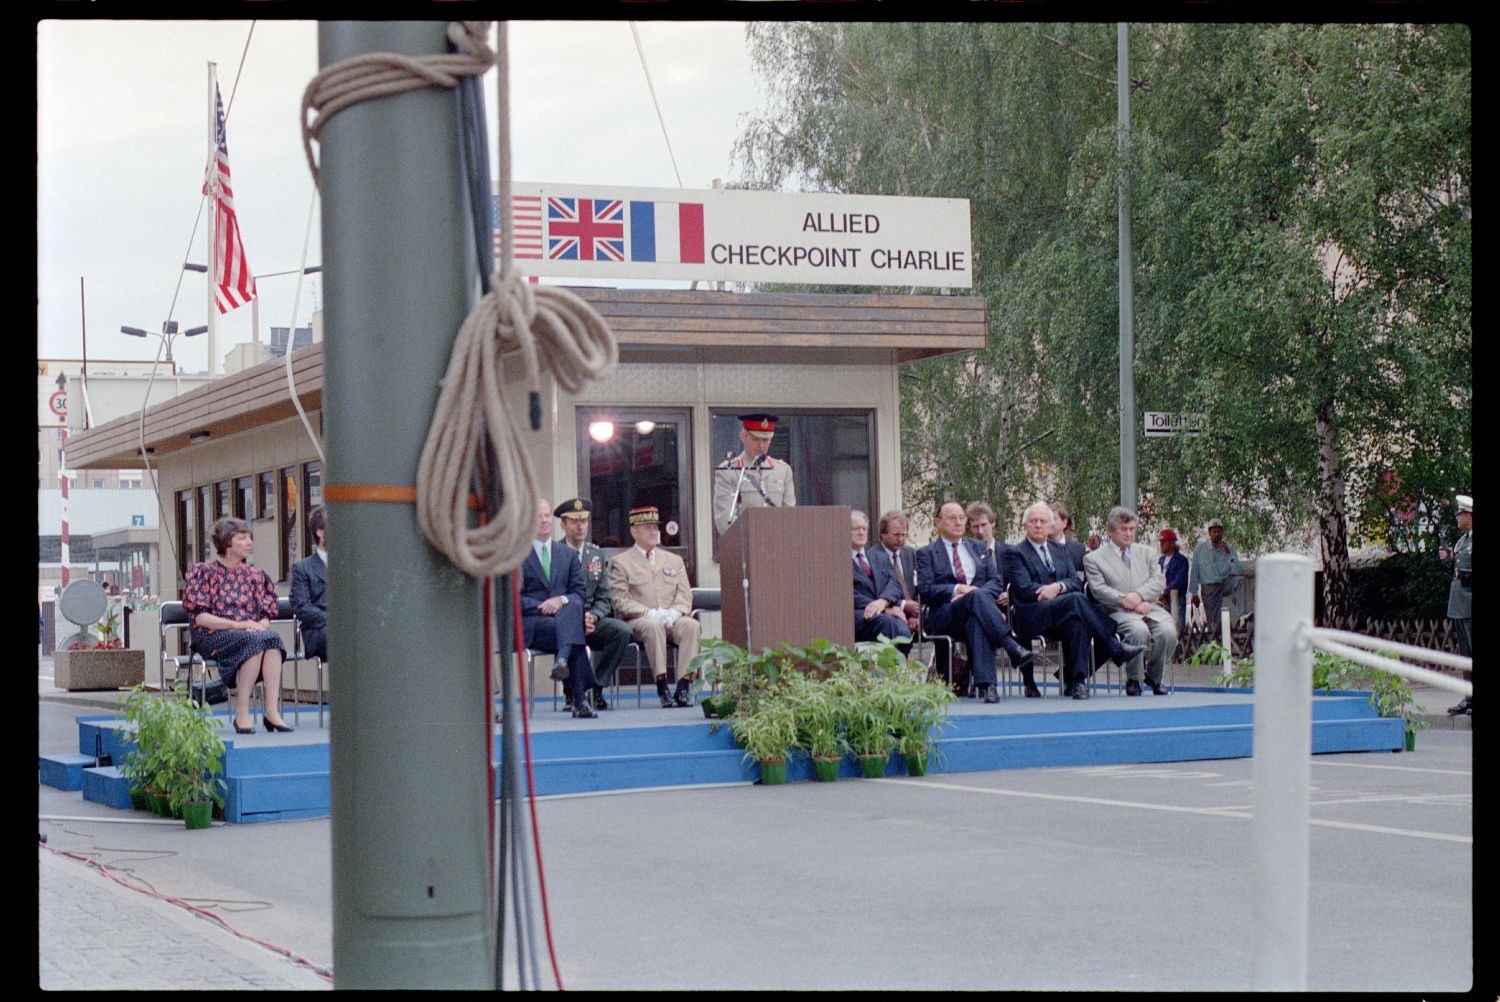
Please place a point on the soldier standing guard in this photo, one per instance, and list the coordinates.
(753, 478)
(1461, 592)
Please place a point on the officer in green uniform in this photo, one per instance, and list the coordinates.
(753, 478)
(1461, 591)
(606, 636)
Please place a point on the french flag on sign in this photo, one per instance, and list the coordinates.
(666, 231)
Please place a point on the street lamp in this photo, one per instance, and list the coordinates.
(255, 301)
(168, 332)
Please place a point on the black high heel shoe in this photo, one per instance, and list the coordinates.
(243, 730)
(283, 728)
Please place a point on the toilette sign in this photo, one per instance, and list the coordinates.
(589, 231)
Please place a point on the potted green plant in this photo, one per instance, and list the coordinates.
(140, 709)
(918, 710)
(767, 730)
(1391, 696)
(867, 725)
(820, 708)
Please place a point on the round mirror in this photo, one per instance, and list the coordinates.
(83, 603)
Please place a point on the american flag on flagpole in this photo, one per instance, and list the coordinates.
(233, 284)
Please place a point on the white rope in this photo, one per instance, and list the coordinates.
(548, 325)
(1424, 675)
(1317, 634)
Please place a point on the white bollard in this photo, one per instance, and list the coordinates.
(1282, 773)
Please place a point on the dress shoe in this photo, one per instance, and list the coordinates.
(1081, 688)
(682, 698)
(1157, 689)
(1127, 653)
(282, 728)
(599, 701)
(559, 669)
(581, 708)
(666, 700)
(1020, 656)
(1463, 706)
(568, 701)
(990, 694)
(1132, 687)
(251, 729)
(1032, 692)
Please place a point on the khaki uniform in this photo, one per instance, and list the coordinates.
(769, 484)
(638, 585)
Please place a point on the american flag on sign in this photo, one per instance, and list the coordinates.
(585, 229)
(526, 219)
(233, 284)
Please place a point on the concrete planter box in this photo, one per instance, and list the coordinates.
(81, 670)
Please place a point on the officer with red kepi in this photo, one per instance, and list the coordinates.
(753, 478)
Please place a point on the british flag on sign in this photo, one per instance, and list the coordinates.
(585, 229)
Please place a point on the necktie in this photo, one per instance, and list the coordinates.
(1125, 555)
(896, 561)
(864, 565)
(958, 567)
(1046, 557)
(546, 561)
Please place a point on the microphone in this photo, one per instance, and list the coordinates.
(734, 509)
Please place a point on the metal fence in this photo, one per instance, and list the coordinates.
(1284, 640)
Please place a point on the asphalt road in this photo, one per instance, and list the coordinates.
(1121, 877)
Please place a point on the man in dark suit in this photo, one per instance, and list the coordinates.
(310, 589)
(893, 526)
(552, 611)
(877, 592)
(1048, 602)
(960, 588)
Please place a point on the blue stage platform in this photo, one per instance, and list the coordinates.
(274, 777)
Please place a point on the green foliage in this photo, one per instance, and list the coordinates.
(827, 699)
(1302, 206)
(1402, 586)
(1390, 694)
(176, 750)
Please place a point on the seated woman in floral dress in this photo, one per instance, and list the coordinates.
(231, 604)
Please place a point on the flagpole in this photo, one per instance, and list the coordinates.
(213, 230)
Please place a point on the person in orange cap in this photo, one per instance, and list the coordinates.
(1174, 565)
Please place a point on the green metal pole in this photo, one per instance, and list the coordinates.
(410, 732)
(1128, 495)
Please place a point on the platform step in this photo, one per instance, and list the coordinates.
(65, 772)
(106, 786)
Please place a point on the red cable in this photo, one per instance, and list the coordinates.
(322, 972)
(536, 834)
(489, 731)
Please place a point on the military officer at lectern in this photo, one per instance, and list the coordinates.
(753, 478)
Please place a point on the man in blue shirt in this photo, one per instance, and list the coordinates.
(1175, 566)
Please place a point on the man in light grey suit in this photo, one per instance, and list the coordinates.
(1124, 577)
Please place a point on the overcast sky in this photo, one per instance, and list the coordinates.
(122, 112)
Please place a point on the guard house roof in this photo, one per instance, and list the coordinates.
(650, 324)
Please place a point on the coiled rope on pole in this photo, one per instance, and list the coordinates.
(548, 325)
(378, 74)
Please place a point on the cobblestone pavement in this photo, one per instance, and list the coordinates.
(97, 935)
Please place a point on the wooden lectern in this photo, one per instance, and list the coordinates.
(800, 585)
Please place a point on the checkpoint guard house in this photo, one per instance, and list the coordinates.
(651, 431)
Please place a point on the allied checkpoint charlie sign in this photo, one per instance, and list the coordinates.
(589, 231)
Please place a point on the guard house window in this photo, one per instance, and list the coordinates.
(312, 494)
(288, 535)
(265, 495)
(244, 499)
(185, 533)
(832, 452)
(634, 456)
(202, 544)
